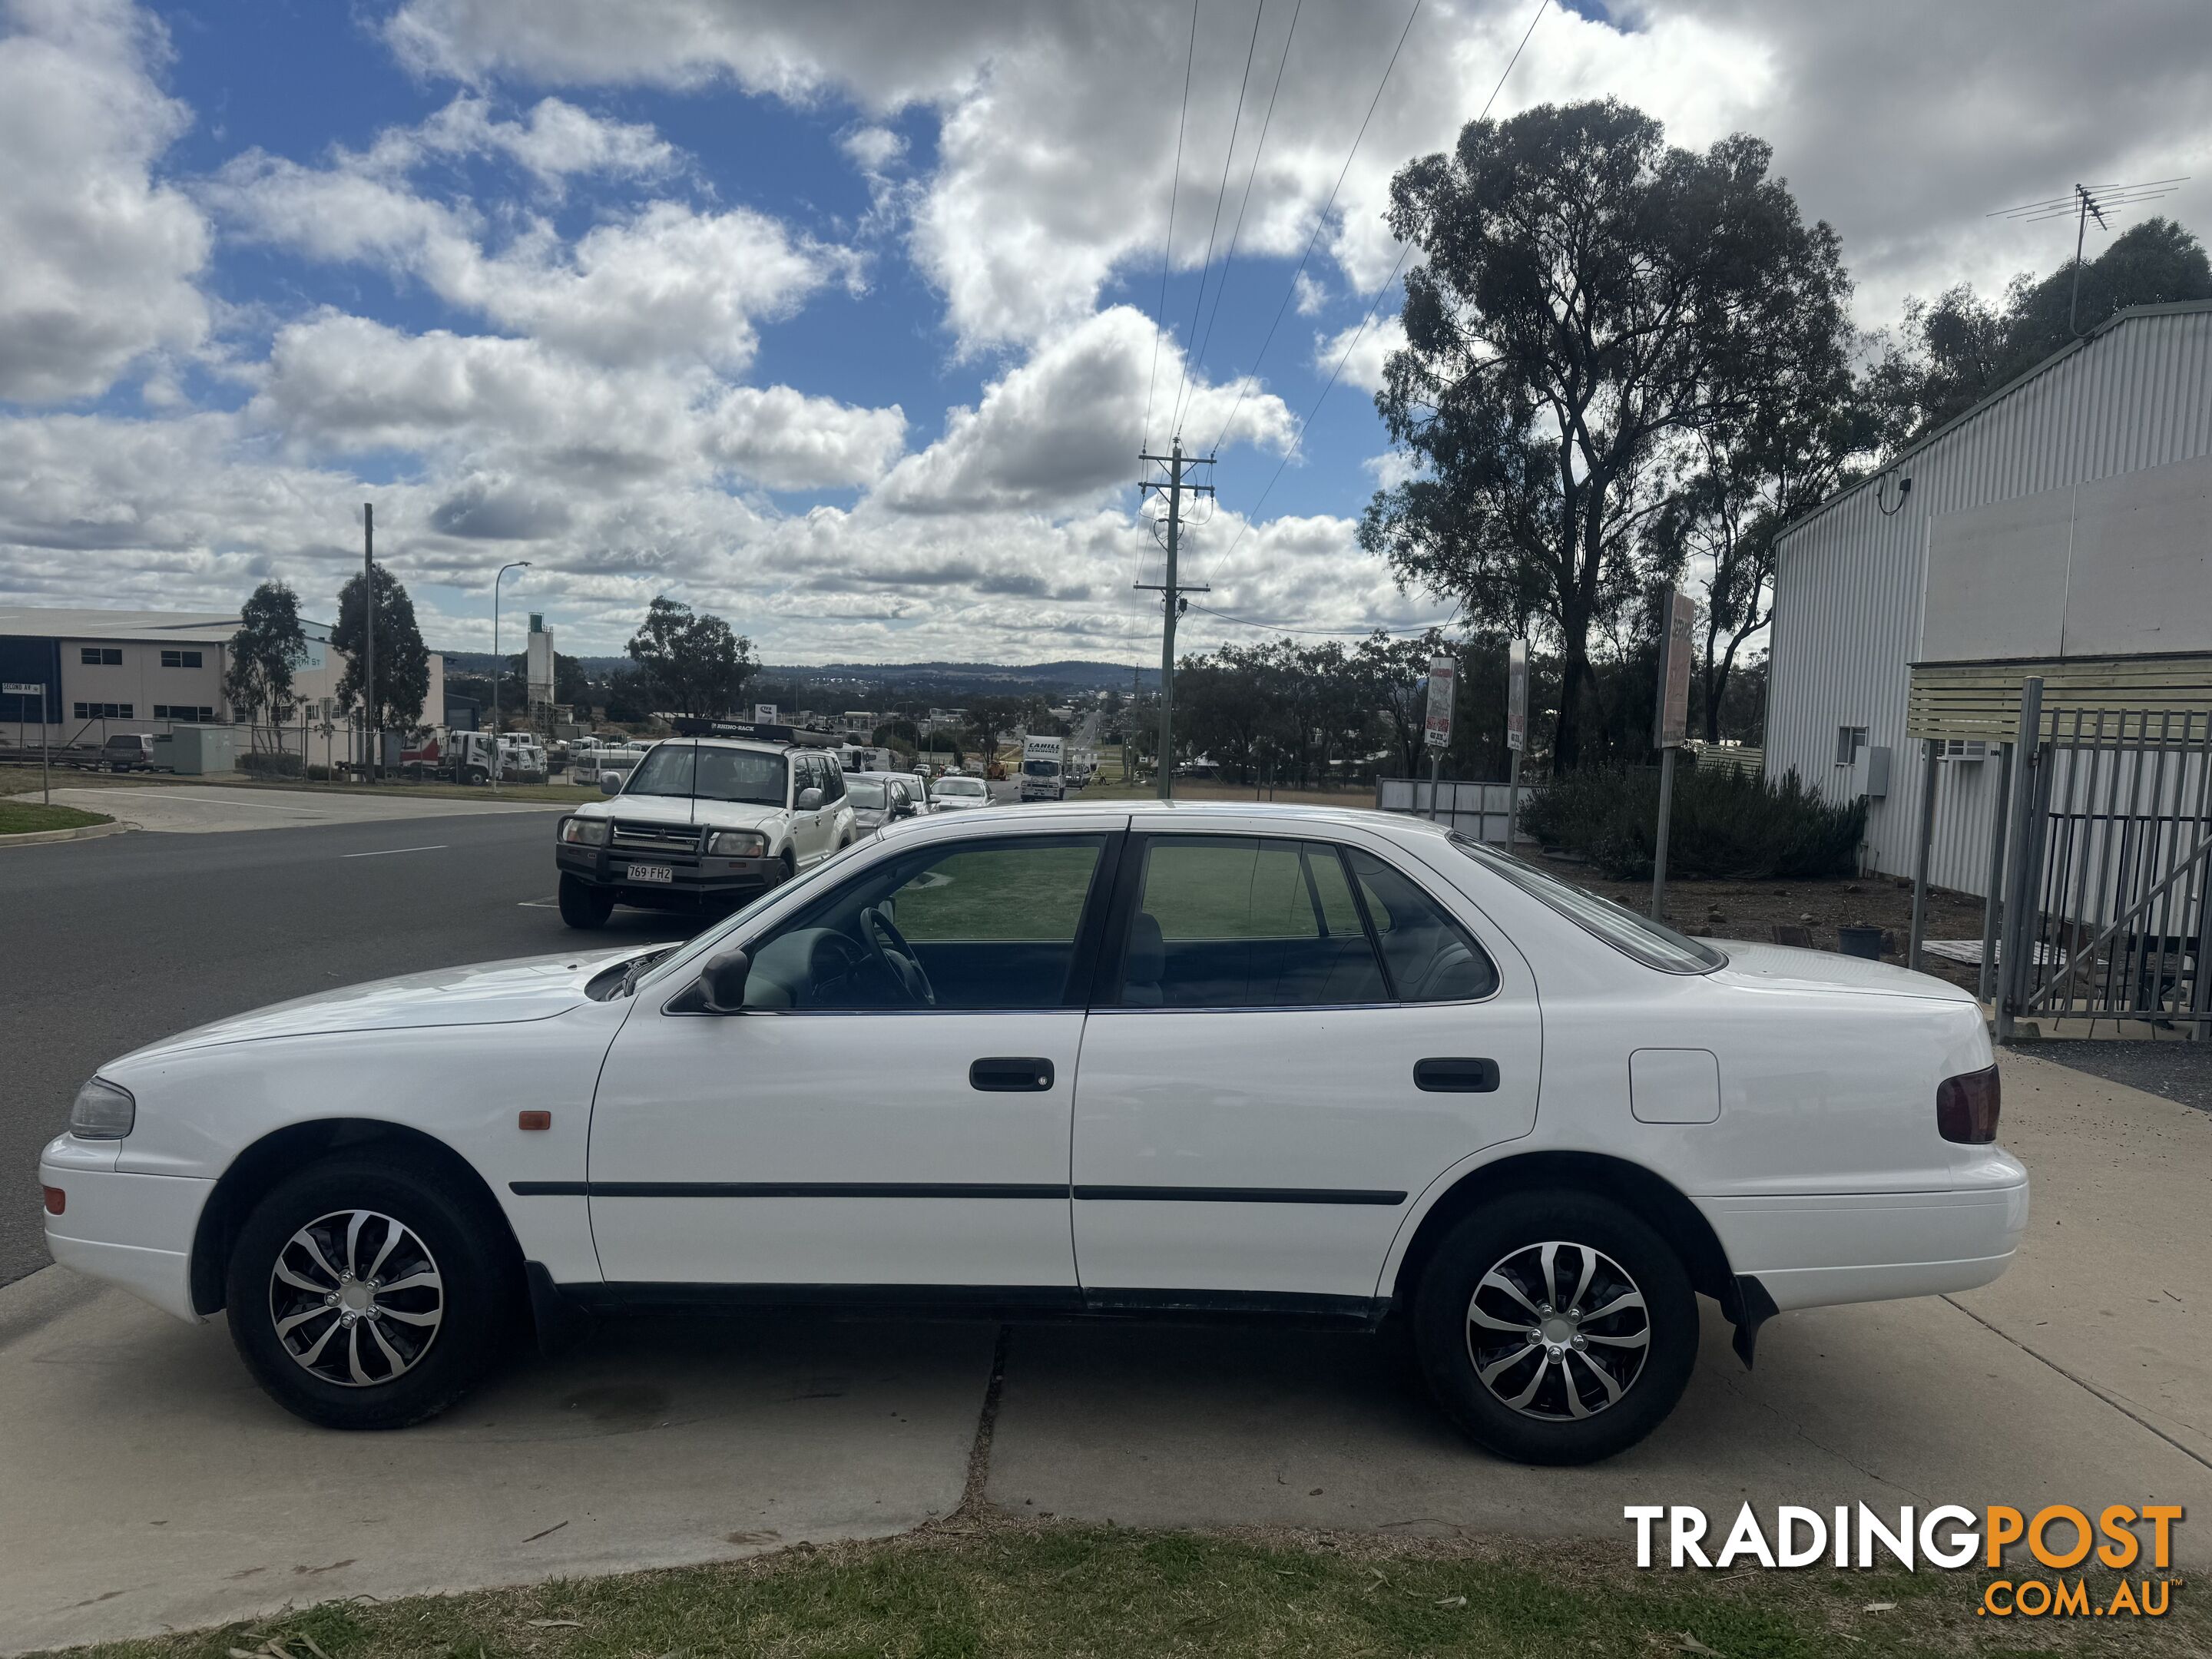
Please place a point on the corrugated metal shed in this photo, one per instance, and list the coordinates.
(1851, 576)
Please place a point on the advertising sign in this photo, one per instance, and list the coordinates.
(764, 713)
(1516, 696)
(1677, 650)
(1436, 727)
(12, 690)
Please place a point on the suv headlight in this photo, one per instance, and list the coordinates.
(585, 832)
(738, 844)
(103, 1111)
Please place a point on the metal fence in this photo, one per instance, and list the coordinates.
(1477, 810)
(2108, 917)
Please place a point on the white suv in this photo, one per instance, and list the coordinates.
(700, 822)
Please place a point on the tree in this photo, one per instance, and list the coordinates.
(1588, 296)
(270, 644)
(989, 719)
(1956, 351)
(403, 665)
(692, 662)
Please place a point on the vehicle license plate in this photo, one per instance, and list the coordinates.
(663, 874)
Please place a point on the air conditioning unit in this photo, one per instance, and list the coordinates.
(1869, 773)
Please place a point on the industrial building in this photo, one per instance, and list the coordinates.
(112, 672)
(2061, 529)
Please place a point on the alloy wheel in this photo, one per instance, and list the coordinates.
(356, 1298)
(1558, 1331)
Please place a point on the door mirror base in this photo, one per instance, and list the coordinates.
(722, 982)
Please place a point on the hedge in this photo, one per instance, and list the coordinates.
(1725, 825)
(262, 765)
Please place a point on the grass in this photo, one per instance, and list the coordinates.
(978, 1586)
(24, 817)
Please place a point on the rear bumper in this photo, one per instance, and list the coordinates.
(134, 1231)
(1816, 1250)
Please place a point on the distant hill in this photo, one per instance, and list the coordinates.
(1074, 674)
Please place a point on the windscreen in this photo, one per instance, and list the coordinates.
(1042, 768)
(688, 770)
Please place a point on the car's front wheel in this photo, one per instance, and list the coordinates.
(368, 1295)
(1556, 1327)
(583, 905)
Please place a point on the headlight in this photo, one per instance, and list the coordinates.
(103, 1111)
(738, 844)
(586, 832)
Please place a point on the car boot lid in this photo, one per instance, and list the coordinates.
(1783, 967)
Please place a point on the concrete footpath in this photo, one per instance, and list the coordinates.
(179, 809)
(171, 1494)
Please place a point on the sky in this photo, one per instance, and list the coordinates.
(847, 319)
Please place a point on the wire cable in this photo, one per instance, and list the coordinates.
(1220, 198)
(1320, 225)
(1360, 333)
(1175, 184)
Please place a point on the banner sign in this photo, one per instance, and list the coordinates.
(1677, 652)
(12, 690)
(764, 713)
(1516, 696)
(1436, 725)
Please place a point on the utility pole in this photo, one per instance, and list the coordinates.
(1171, 591)
(368, 625)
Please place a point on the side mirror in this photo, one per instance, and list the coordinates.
(611, 783)
(810, 800)
(722, 981)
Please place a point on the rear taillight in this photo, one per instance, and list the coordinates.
(57, 1200)
(1966, 1107)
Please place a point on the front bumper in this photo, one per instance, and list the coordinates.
(692, 880)
(134, 1231)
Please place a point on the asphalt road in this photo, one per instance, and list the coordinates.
(111, 944)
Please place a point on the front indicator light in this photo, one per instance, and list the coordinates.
(57, 1200)
(103, 1111)
(1966, 1107)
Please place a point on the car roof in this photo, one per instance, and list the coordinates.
(750, 745)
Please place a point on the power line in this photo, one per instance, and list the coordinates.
(1175, 184)
(1220, 196)
(1360, 333)
(1250, 177)
(1320, 225)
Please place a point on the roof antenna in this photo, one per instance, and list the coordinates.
(2085, 203)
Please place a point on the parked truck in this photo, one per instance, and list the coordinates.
(459, 757)
(1044, 769)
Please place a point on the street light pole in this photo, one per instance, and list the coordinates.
(497, 664)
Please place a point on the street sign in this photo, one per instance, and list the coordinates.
(764, 713)
(1516, 696)
(1436, 726)
(13, 689)
(1677, 650)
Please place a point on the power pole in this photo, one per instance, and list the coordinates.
(1171, 591)
(368, 624)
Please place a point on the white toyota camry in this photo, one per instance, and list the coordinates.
(1191, 1060)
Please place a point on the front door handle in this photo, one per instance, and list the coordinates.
(1456, 1076)
(1007, 1074)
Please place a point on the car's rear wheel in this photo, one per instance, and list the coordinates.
(1556, 1327)
(367, 1295)
(583, 905)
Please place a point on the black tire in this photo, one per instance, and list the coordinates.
(790, 867)
(1510, 1235)
(475, 775)
(583, 905)
(476, 1302)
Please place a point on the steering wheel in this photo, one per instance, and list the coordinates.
(897, 956)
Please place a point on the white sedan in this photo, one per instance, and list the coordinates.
(1333, 1065)
(956, 792)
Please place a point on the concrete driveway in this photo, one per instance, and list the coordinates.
(170, 1492)
(180, 809)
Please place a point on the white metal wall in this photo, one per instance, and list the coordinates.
(1851, 582)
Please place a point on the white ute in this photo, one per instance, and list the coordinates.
(1334, 1064)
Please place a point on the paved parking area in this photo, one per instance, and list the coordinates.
(179, 809)
(172, 1493)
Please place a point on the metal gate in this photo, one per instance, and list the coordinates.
(2106, 911)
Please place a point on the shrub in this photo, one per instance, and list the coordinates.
(260, 764)
(1725, 825)
(319, 773)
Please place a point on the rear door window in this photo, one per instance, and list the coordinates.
(1430, 957)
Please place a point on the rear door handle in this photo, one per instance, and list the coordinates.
(1453, 1075)
(1011, 1074)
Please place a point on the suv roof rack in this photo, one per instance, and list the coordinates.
(692, 725)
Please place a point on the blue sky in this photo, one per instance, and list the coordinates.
(837, 319)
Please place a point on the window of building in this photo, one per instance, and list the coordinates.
(1849, 739)
(104, 711)
(102, 656)
(180, 659)
(197, 713)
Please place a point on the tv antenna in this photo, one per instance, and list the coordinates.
(2085, 203)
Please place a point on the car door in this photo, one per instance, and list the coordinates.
(764, 1147)
(1292, 1038)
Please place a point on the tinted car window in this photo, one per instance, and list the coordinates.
(1431, 958)
(1226, 921)
(988, 926)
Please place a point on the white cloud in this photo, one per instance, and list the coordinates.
(1310, 295)
(558, 140)
(100, 257)
(1369, 343)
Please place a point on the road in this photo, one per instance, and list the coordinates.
(113, 943)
